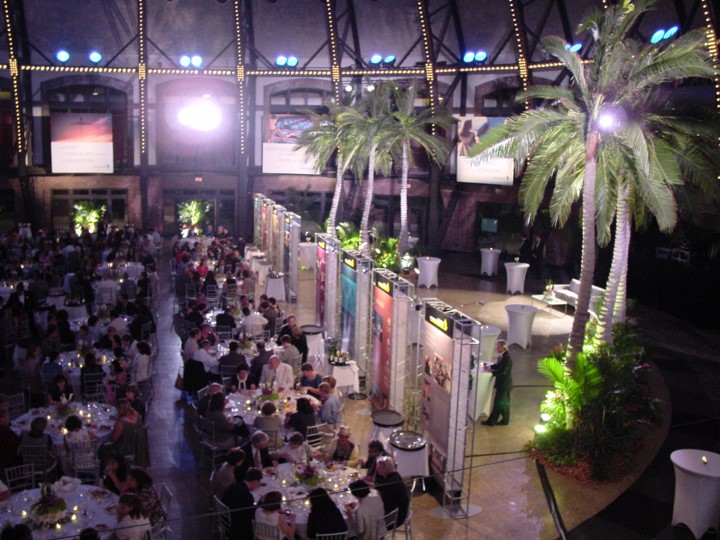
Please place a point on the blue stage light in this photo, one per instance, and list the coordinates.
(95, 57)
(658, 36)
(481, 56)
(185, 61)
(375, 59)
(62, 55)
(292, 61)
(281, 61)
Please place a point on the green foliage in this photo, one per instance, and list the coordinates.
(384, 251)
(595, 413)
(86, 215)
(192, 213)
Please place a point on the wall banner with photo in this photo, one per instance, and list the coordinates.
(355, 307)
(498, 171)
(392, 299)
(448, 350)
(257, 226)
(280, 155)
(81, 143)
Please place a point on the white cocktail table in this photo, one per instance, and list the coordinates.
(489, 263)
(697, 490)
(520, 321)
(516, 276)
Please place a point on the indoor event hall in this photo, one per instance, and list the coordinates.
(338, 269)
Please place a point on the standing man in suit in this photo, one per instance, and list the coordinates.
(502, 369)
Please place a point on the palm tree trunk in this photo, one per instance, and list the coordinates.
(613, 288)
(404, 234)
(621, 301)
(367, 207)
(587, 267)
(332, 219)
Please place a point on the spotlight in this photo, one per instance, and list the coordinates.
(281, 61)
(611, 118)
(348, 87)
(469, 57)
(292, 61)
(62, 55)
(657, 36)
(670, 32)
(389, 61)
(370, 87)
(196, 60)
(375, 59)
(540, 429)
(185, 61)
(480, 56)
(95, 57)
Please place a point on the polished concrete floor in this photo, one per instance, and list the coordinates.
(505, 492)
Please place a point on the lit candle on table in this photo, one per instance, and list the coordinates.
(58, 526)
(24, 513)
(75, 508)
(73, 518)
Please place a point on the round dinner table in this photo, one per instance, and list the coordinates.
(92, 507)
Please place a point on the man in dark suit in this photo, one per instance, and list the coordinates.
(502, 369)
(233, 358)
(226, 319)
(257, 453)
(391, 487)
(239, 499)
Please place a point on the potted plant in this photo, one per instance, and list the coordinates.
(191, 214)
(549, 290)
(86, 216)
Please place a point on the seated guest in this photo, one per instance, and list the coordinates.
(118, 322)
(192, 343)
(9, 441)
(77, 434)
(270, 513)
(271, 315)
(296, 450)
(122, 437)
(120, 385)
(241, 381)
(259, 362)
(36, 435)
(329, 411)
(132, 394)
(225, 318)
(267, 420)
(309, 380)
(209, 362)
(83, 340)
(226, 432)
(94, 328)
(376, 449)
(332, 381)
(132, 521)
(90, 367)
(140, 484)
(325, 517)
(51, 342)
(142, 285)
(129, 347)
(233, 358)
(289, 351)
(369, 512)
(207, 332)
(142, 365)
(302, 419)
(52, 365)
(238, 497)
(67, 336)
(115, 476)
(109, 340)
(227, 473)
(342, 449)
(202, 405)
(60, 389)
(392, 488)
(299, 340)
(257, 453)
(128, 289)
(277, 375)
(193, 313)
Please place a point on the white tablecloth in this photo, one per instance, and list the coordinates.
(428, 267)
(697, 490)
(262, 272)
(488, 339)
(57, 300)
(347, 376)
(516, 276)
(489, 263)
(5, 292)
(411, 463)
(256, 261)
(520, 321)
(308, 254)
(483, 384)
(314, 337)
(95, 508)
(275, 287)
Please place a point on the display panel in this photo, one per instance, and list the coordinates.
(81, 143)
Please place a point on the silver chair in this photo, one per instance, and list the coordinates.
(224, 519)
(224, 333)
(263, 531)
(39, 456)
(332, 536)
(16, 405)
(390, 520)
(20, 478)
(316, 436)
(93, 388)
(209, 450)
(272, 439)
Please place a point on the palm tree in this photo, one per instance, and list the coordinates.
(323, 140)
(569, 139)
(411, 127)
(364, 132)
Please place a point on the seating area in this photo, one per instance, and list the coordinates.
(569, 293)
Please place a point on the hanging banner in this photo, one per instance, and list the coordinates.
(280, 154)
(81, 143)
(383, 293)
(348, 305)
(498, 171)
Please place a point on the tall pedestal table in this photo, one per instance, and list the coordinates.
(520, 321)
(489, 263)
(697, 490)
(428, 267)
(516, 276)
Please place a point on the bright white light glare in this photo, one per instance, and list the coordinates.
(348, 88)
(540, 429)
(292, 61)
(281, 60)
(480, 56)
(62, 55)
(469, 57)
(545, 417)
(200, 115)
(376, 58)
(185, 60)
(606, 121)
(671, 31)
(196, 60)
(657, 36)
(95, 57)
(370, 87)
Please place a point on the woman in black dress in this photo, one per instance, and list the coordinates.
(325, 517)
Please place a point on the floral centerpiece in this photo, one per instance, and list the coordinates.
(309, 475)
(65, 407)
(50, 509)
(267, 392)
(549, 293)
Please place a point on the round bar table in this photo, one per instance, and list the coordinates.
(697, 490)
(410, 452)
(385, 422)
(313, 334)
(489, 263)
(520, 321)
(516, 276)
